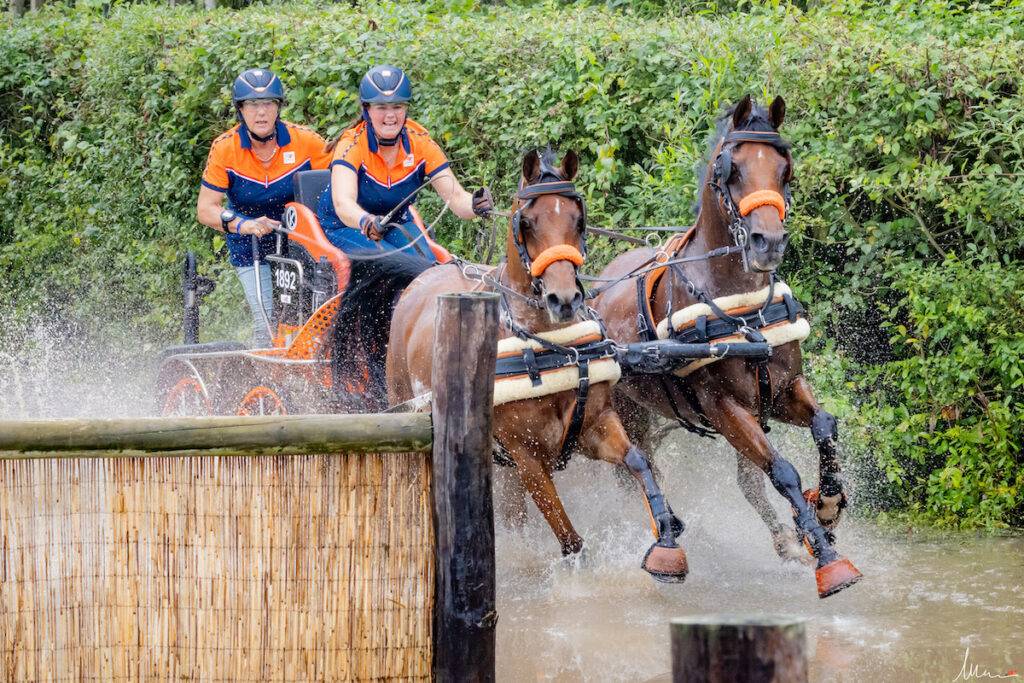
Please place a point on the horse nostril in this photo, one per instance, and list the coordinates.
(782, 243)
(758, 241)
(577, 301)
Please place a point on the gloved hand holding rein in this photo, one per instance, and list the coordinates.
(483, 203)
(371, 228)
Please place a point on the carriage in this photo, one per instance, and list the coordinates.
(305, 369)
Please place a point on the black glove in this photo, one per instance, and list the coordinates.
(483, 204)
(370, 226)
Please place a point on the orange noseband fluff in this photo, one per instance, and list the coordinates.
(763, 198)
(560, 252)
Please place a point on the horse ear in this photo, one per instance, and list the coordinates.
(570, 165)
(531, 166)
(741, 113)
(777, 112)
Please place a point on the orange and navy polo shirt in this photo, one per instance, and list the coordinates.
(381, 188)
(254, 190)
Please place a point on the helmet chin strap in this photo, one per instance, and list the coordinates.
(264, 138)
(381, 141)
(258, 138)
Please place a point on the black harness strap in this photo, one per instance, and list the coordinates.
(572, 434)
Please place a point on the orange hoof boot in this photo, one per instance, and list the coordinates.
(666, 563)
(829, 509)
(835, 576)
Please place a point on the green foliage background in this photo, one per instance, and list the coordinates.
(907, 121)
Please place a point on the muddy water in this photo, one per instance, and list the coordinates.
(924, 605)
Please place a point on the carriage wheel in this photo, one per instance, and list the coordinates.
(262, 400)
(187, 398)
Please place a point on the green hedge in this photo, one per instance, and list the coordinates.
(908, 128)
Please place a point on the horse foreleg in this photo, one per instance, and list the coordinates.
(512, 498)
(797, 406)
(605, 439)
(537, 480)
(784, 540)
(833, 572)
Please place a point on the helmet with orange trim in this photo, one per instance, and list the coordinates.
(385, 84)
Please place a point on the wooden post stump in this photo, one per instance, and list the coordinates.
(465, 345)
(738, 650)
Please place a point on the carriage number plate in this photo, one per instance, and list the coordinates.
(285, 279)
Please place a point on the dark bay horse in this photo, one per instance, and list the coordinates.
(541, 298)
(726, 289)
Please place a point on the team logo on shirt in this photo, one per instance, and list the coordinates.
(409, 161)
(289, 157)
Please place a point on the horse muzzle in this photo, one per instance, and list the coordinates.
(765, 251)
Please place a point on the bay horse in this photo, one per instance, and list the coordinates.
(541, 298)
(718, 282)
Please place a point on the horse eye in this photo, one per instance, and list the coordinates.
(735, 176)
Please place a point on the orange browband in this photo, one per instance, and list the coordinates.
(560, 252)
(763, 198)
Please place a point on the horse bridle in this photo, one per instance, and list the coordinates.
(719, 180)
(561, 252)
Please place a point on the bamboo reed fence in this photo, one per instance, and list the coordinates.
(120, 562)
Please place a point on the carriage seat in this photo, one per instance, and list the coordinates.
(309, 185)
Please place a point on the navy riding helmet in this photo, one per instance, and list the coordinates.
(383, 84)
(256, 84)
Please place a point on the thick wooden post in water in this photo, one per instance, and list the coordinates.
(465, 344)
(730, 650)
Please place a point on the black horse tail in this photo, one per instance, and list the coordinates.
(364, 325)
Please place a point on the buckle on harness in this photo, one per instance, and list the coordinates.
(530, 360)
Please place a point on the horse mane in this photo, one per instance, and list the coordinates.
(758, 121)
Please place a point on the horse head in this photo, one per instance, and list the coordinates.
(547, 235)
(749, 173)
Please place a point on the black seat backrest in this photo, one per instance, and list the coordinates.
(309, 185)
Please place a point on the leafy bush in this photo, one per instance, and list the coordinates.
(906, 120)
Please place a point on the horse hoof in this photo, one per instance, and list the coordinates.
(577, 560)
(829, 509)
(788, 547)
(835, 576)
(666, 563)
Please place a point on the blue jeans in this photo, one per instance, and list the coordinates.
(399, 238)
(261, 336)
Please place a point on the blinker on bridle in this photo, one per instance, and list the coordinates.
(560, 252)
(722, 171)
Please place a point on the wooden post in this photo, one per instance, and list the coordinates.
(466, 338)
(736, 650)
